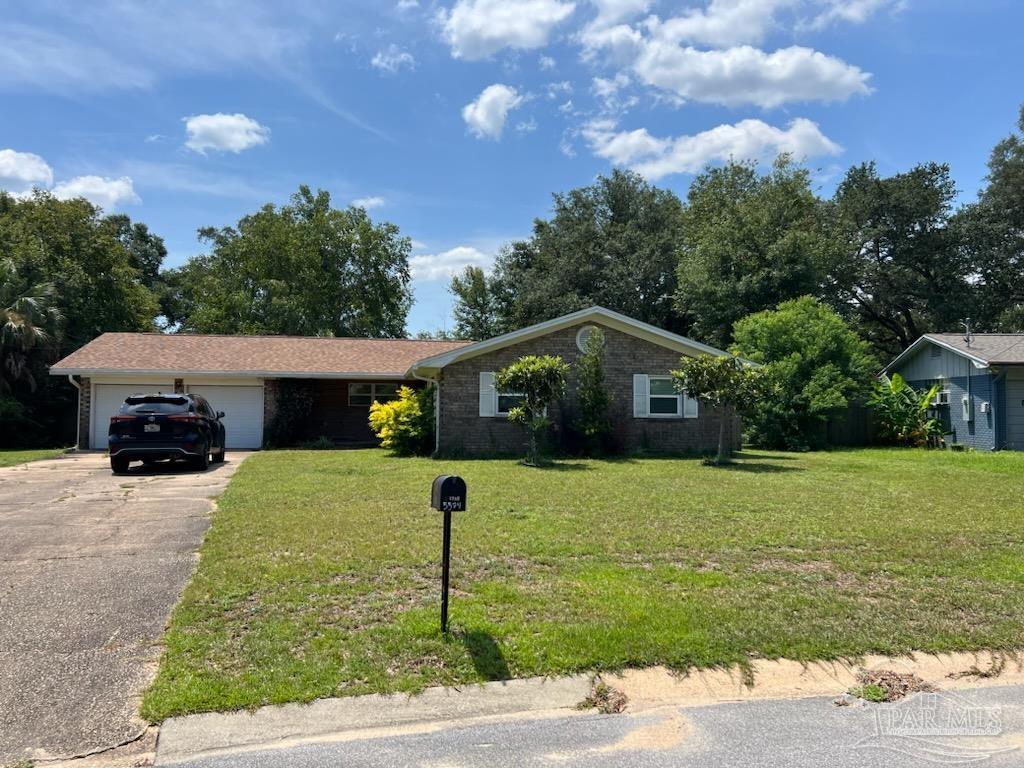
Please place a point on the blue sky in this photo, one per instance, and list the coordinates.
(456, 120)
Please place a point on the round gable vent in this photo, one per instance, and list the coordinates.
(582, 335)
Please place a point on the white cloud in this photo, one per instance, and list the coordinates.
(369, 203)
(725, 22)
(527, 126)
(439, 266)
(224, 133)
(613, 11)
(20, 171)
(746, 75)
(705, 55)
(392, 59)
(556, 90)
(487, 114)
(105, 192)
(476, 29)
(655, 157)
(407, 5)
(547, 63)
(850, 11)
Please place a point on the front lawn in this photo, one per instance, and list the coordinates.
(9, 458)
(320, 575)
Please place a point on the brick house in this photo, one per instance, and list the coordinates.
(247, 377)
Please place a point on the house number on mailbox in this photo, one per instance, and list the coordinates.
(448, 494)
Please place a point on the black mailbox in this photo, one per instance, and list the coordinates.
(448, 493)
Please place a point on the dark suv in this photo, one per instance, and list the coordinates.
(154, 427)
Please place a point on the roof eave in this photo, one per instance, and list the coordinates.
(939, 342)
(179, 373)
(432, 365)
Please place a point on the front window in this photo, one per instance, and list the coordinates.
(366, 393)
(664, 399)
(507, 401)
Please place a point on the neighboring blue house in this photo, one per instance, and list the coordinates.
(982, 380)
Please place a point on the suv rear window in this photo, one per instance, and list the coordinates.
(154, 404)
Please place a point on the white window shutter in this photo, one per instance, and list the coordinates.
(641, 395)
(689, 407)
(488, 399)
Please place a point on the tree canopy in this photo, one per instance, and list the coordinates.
(303, 269)
(748, 241)
(474, 310)
(613, 243)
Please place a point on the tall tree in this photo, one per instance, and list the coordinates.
(146, 250)
(474, 311)
(612, 243)
(901, 273)
(304, 269)
(68, 259)
(28, 329)
(69, 245)
(749, 241)
(991, 231)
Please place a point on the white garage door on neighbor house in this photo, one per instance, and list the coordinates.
(243, 411)
(107, 400)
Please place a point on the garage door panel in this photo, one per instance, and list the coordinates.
(107, 400)
(243, 412)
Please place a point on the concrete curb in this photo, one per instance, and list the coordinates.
(192, 736)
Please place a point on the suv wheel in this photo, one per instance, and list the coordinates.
(202, 461)
(119, 465)
(218, 457)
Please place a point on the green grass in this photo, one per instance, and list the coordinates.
(320, 575)
(10, 458)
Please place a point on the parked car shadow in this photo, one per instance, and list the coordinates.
(488, 660)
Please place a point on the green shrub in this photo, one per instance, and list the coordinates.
(406, 425)
(592, 421)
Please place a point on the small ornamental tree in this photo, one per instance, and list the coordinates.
(904, 414)
(722, 382)
(592, 422)
(540, 379)
(405, 425)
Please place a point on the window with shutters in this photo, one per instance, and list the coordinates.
(663, 400)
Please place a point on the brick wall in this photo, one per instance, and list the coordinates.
(84, 412)
(464, 431)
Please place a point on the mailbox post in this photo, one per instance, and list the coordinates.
(448, 494)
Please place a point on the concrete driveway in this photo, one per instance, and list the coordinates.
(90, 567)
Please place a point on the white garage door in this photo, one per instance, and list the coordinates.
(243, 412)
(107, 400)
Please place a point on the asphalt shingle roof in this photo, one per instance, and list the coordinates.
(254, 355)
(993, 348)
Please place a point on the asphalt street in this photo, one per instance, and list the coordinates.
(981, 726)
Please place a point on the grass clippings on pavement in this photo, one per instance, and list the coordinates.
(884, 685)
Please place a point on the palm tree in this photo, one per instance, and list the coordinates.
(29, 324)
